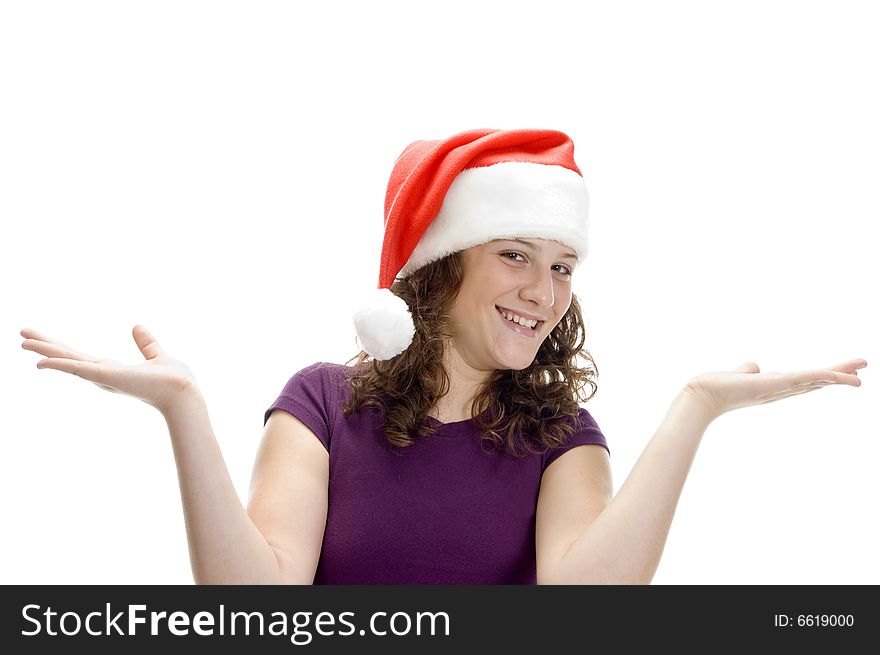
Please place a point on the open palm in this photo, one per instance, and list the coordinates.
(157, 381)
(746, 385)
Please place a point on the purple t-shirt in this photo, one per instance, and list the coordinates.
(440, 511)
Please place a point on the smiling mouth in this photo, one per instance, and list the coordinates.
(516, 325)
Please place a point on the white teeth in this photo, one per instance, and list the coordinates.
(519, 319)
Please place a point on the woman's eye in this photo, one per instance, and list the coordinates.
(565, 270)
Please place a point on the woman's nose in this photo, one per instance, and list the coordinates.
(539, 289)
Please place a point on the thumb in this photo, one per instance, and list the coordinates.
(146, 342)
(748, 367)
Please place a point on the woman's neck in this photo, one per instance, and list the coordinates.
(464, 384)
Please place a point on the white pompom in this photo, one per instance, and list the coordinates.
(384, 325)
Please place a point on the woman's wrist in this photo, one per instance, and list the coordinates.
(698, 404)
(187, 401)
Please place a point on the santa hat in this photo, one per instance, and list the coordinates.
(472, 188)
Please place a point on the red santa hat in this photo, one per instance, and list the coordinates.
(472, 188)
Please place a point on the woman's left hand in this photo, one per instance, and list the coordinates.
(724, 391)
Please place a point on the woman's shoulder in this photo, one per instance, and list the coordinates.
(318, 390)
(326, 369)
(327, 375)
(585, 420)
(586, 432)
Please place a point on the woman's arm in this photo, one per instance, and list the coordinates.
(623, 544)
(225, 547)
(279, 540)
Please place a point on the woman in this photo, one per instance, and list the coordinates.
(455, 449)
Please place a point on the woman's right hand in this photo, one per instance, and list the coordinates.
(159, 381)
(724, 391)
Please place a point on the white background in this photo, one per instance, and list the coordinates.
(216, 171)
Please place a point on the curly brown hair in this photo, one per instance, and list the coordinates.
(535, 407)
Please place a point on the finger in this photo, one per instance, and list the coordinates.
(785, 384)
(851, 366)
(837, 377)
(51, 349)
(820, 376)
(55, 349)
(146, 342)
(36, 336)
(748, 367)
(28, 333)
(96, 372)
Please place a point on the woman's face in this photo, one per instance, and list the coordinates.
(527, 277)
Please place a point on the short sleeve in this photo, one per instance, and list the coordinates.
(587, 433)
(309, 396)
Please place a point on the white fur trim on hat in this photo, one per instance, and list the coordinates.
(507, 200)
(384, 325)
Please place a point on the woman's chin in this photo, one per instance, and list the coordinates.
(514, 361)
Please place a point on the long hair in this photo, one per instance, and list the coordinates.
(535, 407)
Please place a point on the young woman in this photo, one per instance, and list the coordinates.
(454, 449)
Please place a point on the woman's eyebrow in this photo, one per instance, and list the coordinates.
(532, 247)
